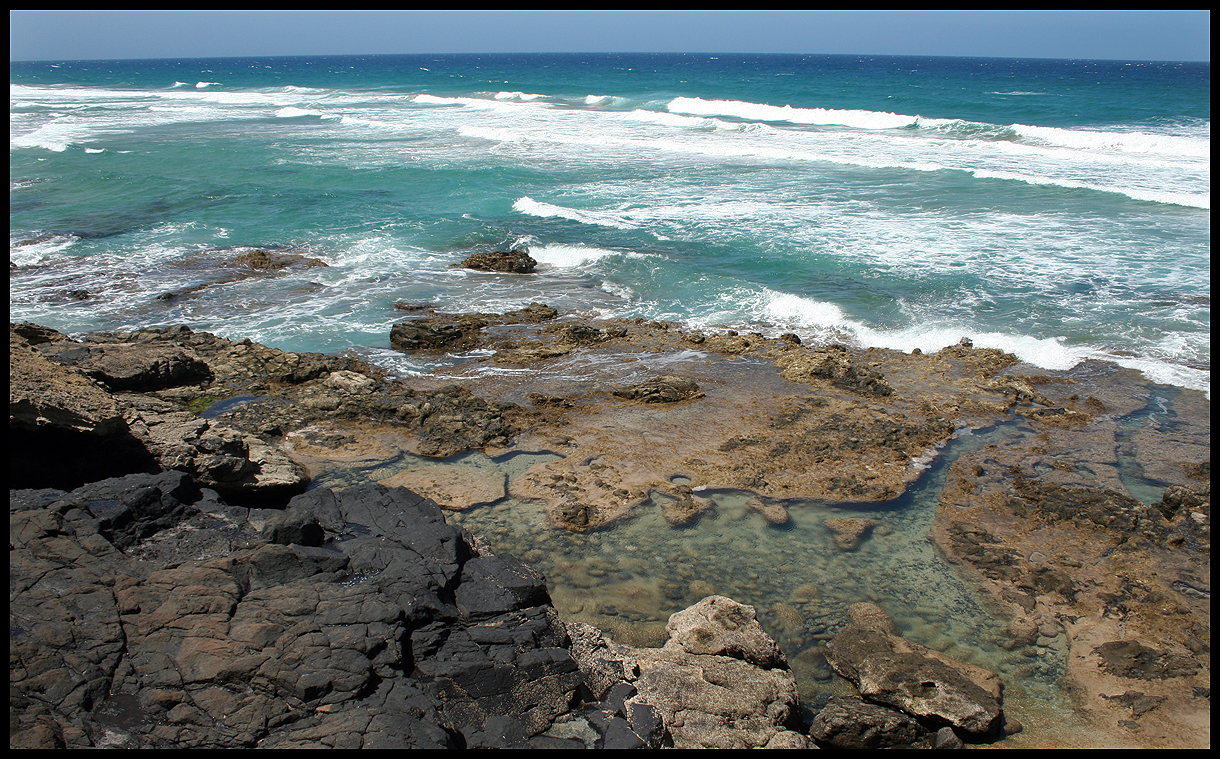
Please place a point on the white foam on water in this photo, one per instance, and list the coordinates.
(291, 111)
(521, 96)
(1190, 200)
(571, 256)
(617, 290)
(1118, 142)
(786, 309)
(532, 207)
(821, 321)
(203, 85)
(56, 136)
(30, 253)
(816, 116)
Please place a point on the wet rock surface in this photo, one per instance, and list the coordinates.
(510, 261)
(661, 390)
(1120, 585)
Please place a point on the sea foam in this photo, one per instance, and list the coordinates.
(532, 207)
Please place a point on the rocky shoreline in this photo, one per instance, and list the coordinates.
(174, 581)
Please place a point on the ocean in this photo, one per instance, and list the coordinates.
(1057, 209)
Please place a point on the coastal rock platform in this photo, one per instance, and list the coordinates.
(1045, 521)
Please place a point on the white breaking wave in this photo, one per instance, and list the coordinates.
(569, 256)
(522, 96)
(814, 116)
(532, 207)
(1120, 142)
(605, 100)
(291, 111)
(1191, 200)
(1081, 139)
(820, 321)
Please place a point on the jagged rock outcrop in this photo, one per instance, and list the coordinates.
(193, 630)
(63, 398)
(719, 682)
(435, 334)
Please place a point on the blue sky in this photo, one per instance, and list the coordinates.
(1120, 35)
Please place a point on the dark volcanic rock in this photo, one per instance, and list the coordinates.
(663, 389)
(435, 334)
(396, 633)
(849, 722)
(1139, 662)
(510, 261)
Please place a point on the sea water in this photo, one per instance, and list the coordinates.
(1059, 210)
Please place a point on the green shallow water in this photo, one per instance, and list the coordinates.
(628, 578)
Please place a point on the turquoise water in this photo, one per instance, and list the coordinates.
(1059, 210)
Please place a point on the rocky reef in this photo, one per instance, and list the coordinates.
(175, 581)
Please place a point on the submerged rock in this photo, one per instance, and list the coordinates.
(454, 486)
(850, 532)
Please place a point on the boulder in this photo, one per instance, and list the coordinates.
(891, 670)
(662, 389)
(849, 722)
(510, 261)
(927, 687)
(720, 626)
(704, 683)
